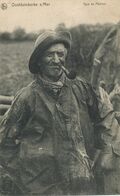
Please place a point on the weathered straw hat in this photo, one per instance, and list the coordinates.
(44, 41)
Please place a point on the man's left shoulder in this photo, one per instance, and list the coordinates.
(79, 81)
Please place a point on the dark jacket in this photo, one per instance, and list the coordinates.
(47, 137)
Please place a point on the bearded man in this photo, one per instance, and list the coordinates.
(47, 141)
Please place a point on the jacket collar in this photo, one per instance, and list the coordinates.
(52, 88)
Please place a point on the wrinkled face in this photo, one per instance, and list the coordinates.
(52, 60)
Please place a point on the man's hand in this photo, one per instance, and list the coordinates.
(115, 92)
(117, 115)
(107, 160)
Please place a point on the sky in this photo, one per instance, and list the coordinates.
(50, 13)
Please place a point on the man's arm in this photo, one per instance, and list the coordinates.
(106, 126)
(14, 120)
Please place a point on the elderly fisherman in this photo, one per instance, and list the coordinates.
(47, 140)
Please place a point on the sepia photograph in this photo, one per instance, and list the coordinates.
(59, 97)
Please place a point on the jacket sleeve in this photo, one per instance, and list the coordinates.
(14, 120)
(106, 127)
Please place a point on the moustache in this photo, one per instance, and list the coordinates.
(70, 74)
(56, 64)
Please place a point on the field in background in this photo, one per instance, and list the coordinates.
(14, 72)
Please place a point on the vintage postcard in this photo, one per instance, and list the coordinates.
(59, 97)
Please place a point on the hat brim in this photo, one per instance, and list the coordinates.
(39, 50)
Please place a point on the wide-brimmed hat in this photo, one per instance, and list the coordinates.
(43, 42)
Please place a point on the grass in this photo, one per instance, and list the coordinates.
(14, 73)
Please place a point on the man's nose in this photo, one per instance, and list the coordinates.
(56, 58)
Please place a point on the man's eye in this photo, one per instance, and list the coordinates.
(61, 54)
(49, 55)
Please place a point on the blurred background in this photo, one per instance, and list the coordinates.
(89, 25)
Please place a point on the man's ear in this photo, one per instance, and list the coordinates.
(40, 67)
(38, 63)
(66, 54)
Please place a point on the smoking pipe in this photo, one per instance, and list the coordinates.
(70, 74)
